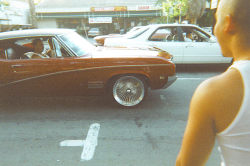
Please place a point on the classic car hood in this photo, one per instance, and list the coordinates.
(111, 52)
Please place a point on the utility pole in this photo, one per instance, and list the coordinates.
(180, 15)
(32, 14)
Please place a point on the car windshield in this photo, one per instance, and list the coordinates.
(77, 44)
(136, 33)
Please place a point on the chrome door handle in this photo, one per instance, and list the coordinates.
(14, 66)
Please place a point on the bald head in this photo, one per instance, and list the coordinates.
(240, 12)
(232, 27)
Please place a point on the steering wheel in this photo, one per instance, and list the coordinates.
(36, 56)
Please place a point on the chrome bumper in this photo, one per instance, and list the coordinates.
(171, 79)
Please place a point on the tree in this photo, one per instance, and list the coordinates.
(192, 9)
(4, 3)
(175, 8)
(196, 9)
(33, 14)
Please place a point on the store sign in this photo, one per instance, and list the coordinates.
(144, 7)
(120, 8)
(214, 4)
(101, 9)
(100, 20)
(108, 9)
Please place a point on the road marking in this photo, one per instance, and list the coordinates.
(72, 143)
(89, 144)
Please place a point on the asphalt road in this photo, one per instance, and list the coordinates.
(150, 134)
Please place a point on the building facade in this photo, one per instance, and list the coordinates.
(14, 14)
(111, 15)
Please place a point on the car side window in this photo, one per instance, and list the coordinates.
(167, 34)
(10, 51)
(28, 48)
(160, 34)
(32, 48)
(2, 54)
(59, 50)
(194, 35)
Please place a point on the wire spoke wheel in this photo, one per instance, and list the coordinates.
(129, 90)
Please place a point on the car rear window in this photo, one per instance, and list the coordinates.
(137, 33)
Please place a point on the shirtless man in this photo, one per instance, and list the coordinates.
(220, 106)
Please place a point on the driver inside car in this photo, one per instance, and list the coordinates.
(38, 49)
(188, 37)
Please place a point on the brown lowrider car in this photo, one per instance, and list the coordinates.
(70, 65)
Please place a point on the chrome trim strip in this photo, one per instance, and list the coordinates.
(95, 84)
(61, 72)
(17, 65)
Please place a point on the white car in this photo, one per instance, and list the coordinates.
(188, 44)
(208, 29)
(100, 39)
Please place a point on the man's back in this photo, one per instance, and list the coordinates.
(217, 102)
(234, 141)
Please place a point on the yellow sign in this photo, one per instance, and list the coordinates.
(108, 9)
(120, 8)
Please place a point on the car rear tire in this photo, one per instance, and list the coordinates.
(129, 91)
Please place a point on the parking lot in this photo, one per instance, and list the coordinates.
(65, 130)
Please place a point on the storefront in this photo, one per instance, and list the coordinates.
(112, 19)
(13, 15)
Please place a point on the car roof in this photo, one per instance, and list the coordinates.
(33, 32)
(156, 26)
(173, 25)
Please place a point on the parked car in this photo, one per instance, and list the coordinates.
(79, 68)
(100, 39)
(95, 32)
(188, 44)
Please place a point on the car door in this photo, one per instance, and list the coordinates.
(74, 72)
(201, 49)
(168, 39)
(5, 72)
(44, 76)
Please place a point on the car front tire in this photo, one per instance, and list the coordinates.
(129, 91)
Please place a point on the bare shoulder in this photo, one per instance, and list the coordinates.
(214, 105)
(220, 98)
(222, 84)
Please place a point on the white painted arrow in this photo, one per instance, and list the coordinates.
(88, 145)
